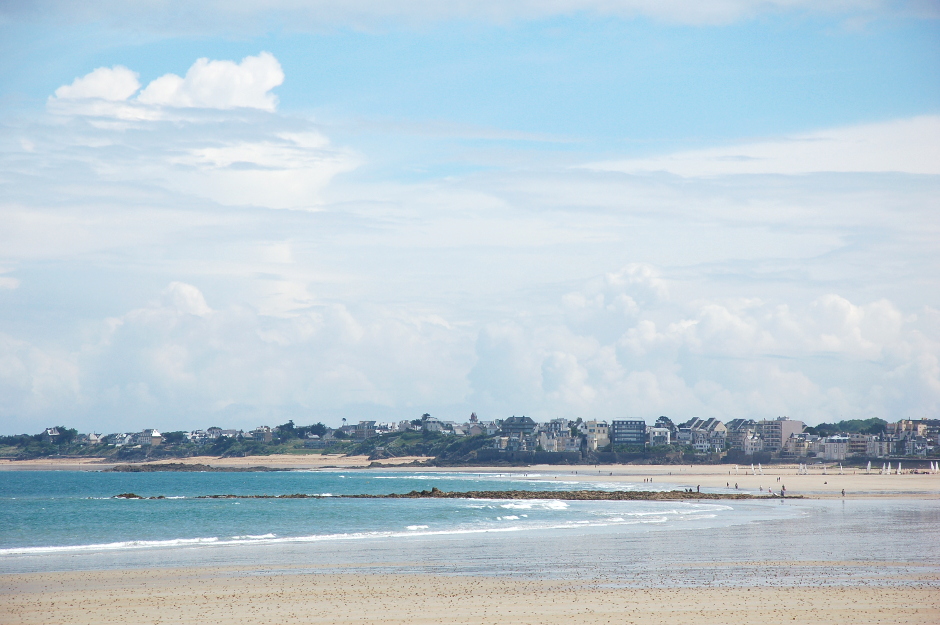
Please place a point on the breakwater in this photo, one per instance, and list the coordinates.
(564, 495)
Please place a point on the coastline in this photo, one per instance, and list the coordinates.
(223, 595)
(815, 485)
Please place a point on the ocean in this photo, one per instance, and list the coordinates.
(63, 520)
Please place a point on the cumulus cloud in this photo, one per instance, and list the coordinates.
(208, 84)
(908, 146)
(735, 358)
(219, 85)
(105, 83)
(189, 137)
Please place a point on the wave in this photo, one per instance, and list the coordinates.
(257, 539)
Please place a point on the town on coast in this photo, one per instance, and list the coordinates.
(519, 441)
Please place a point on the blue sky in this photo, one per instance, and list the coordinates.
(610, 209)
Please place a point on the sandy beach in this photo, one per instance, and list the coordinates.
(856, 482)
(231, 595)
(278, 461)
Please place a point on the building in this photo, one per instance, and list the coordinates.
(627, 432)
(775, 432)
(752, 444)
(262, 433)
(706, 436)
(738, 431)
(658, 436)
(364, 429)
(51, 435)
(149, 437)
(518, 426)
(800, 446)
(833, 448)
(597, 435)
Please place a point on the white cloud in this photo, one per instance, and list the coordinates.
(35, 380)
(188, 140)
(8, 282)
(288, 170)
(106, 83)
(907, 146)
(208, 84)
(219, 85)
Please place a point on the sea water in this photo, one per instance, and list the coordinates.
(70, 521)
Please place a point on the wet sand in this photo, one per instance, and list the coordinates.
(248, 597)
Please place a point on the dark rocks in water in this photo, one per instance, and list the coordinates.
(128, 496)
(565, 495)
(181, 466)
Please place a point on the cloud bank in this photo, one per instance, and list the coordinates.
(788, 276)
(908, 146)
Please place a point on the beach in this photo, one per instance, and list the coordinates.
(820, 559)
(231, 595)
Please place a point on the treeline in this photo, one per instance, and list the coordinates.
(850, 426)
(38, 445)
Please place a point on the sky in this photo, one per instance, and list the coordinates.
(239, 213)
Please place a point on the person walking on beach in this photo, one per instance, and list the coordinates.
(843, 492)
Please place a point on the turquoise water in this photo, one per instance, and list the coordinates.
(75, 511)
(69, 521)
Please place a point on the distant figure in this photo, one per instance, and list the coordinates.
(698, 488)
(843, 492)
(727, 485)
(735, 485)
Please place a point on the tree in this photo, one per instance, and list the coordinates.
(286, 431)
(66, 435)
(172, 438)
(665, 422)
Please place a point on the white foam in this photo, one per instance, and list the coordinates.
(535, 504)
(416, 527)
(254, 537)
